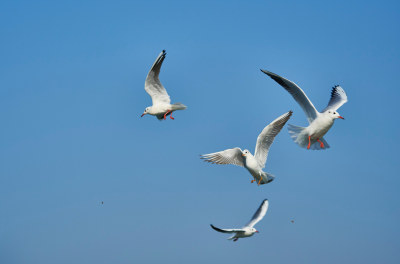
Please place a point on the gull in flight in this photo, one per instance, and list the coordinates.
(320, 123)
(248, 230)
(254, 164)
(162, 106)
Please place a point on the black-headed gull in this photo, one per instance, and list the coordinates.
(248, 230)
(320, 123)
(162, 106)
(254, 164)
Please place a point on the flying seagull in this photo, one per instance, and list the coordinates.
(254, 164)
(320, 123)
(248, 230)
(162, 106)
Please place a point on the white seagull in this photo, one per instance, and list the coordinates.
(320, 123)
(254, 164)
(248, 230)
(162, 106)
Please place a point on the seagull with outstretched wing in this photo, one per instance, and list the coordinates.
(162, 106)
(248, 230)
(320, 123)
(254, 164)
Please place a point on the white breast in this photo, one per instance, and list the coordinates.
(320, 126)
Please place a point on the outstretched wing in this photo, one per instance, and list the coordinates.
(297, 93)
(267, 136)
(226, 230)
(338, 98)
(261, 211)
(228, 156)
(153, 85)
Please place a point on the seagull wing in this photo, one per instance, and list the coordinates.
(267, 136)
(228, 156)
(226, 230)
(261, 211)
(338, 98)
(153, 85)
(297, 93)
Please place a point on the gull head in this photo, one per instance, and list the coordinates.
(245, 153)
(335, 114)
(254, 230)
(146, 111)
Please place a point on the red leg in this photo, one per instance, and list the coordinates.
(309, 142)
(165, 115)
(252, 181)
(171, 116)
(259, 181)
(321, 143)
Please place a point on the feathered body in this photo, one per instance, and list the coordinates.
(311, 137)
(162, 106)
(248, 230)
(254, 164)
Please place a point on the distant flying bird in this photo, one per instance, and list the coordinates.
(292, 221)
(102, 202)
(248, 230)
(162, 106)
(254, 164)
(320, 123)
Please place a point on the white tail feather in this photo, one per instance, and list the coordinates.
(300, 137)
(267, 178)
(178, 106)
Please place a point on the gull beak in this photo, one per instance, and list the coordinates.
(244, 155)
(142, 115)
(341, 117)
(257, 231)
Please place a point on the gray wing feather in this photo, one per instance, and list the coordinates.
(259, 214)
(338, 98)
(226, 230)
(297, 93)
(153, 85)
(267, 136)
(228, 156)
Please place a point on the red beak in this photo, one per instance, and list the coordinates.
(142, 115)
(257, 231)
(341, 117)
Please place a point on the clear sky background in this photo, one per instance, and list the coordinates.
(71, 94)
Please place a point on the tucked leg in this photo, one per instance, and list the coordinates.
(165, 115)
(234, 240)
(171, 116)
(259, 181)
(309, 142)
(321, 143)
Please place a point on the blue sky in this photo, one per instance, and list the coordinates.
(71, 94)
